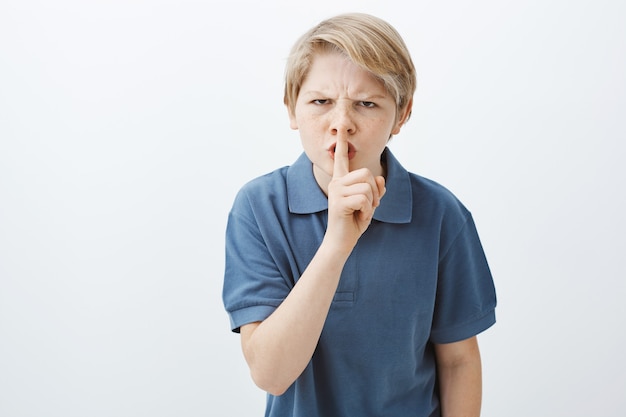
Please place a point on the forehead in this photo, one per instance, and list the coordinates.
(334, 71)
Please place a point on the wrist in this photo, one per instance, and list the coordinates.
(335, 249)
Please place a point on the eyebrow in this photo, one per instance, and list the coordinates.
(364, 96)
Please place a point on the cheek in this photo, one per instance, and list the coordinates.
(310, 123)
(381, 126)
(310, 134)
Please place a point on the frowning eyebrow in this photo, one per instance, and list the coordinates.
(357, 96)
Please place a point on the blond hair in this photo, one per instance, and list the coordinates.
(368, 41)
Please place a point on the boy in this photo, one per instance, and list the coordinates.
(358, 288)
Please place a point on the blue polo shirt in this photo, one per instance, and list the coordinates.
(417, 276)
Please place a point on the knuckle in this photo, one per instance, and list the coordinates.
(364, 202)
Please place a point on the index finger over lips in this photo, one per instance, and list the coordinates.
(342, 162)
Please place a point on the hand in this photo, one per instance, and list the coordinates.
(352, 198)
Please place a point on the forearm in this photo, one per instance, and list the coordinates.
(460, 385)
(279, 349)
(461, 391)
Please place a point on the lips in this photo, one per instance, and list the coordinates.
(351, 151)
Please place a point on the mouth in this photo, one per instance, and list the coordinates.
(351, 151)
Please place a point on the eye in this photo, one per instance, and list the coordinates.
(320, 101)
(368, 104)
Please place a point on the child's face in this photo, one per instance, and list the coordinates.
(340, 98)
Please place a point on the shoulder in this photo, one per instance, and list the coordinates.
(432, 189)
(433, 198)
(266, 182)
(267, 187)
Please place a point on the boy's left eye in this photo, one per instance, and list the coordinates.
(368, 104)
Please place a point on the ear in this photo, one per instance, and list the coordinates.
(293, 123)
(403, 117)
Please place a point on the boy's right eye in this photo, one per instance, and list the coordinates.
(320, 101)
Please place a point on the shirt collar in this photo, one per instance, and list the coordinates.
(306, 197)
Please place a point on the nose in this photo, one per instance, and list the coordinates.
(342, 120)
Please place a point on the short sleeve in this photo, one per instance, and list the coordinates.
(466, 299)
(253, 285)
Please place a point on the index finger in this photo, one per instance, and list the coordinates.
(342, 162)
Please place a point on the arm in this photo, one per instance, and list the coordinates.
(460, 378)
(278, 349)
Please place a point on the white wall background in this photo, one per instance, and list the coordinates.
(126, 128)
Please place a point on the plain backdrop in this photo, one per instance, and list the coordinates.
(127, 127)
